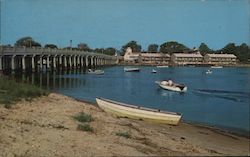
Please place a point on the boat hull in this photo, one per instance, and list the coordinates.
(171, 88)
(139, 113)
(132, 69)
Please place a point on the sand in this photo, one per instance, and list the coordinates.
(45, 127)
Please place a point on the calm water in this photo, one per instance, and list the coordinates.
(220, 99)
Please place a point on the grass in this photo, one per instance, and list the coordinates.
(11, 91)
(83, 117)
(123, 134)
(85, 127)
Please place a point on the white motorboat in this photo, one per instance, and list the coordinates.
(97, 72)
(131, 69)
(137, 112)
(170, 85)
(208, 71)
(153, 71)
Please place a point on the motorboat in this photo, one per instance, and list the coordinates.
(97, 72)
(162, 66)
(208, 71)
(137, 112)
(153, 71)
(170, 85)
(132, 69)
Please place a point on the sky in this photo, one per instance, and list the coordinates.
(113, 23)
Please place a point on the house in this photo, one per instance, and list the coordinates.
(131, 57)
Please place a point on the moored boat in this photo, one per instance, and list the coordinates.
(170, 85)
(97, 72)
(137, 112)
(131, 69)
(216, 67)
(208, 71)
(162, 66)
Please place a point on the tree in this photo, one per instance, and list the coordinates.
(27, 42)
(110, 51)
(204, 49)
(133, 45)
(52, 46)
(84, 47)
(172, 47)
(153, 48)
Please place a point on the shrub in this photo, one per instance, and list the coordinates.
(123, 134)
(85, 127)
(83, 117)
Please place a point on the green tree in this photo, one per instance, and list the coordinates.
(27, 42)
(84, 47)
(153, 48)
(172, 47)
(204, 49)
(133, 45)
(52, 46)
(110, 51)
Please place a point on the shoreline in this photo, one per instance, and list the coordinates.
(45, 127)
(240, 132)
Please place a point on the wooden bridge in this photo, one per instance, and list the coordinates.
(37, 59)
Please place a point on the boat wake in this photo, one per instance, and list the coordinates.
(223, 94)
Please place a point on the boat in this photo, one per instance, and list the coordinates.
(153, 71)
(131, 69)
(216, 67)
(162, 66)
(97, 72)
(208, 71)
(170, 85)
(137, 112)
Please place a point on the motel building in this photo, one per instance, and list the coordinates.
(186, 59)
(154, 59)
(220, 59)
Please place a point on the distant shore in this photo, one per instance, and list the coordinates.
(45, 127)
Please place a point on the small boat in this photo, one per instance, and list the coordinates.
(131, 69)
(208, 71)
(153, 71)
(162, 66)
(97, 72)
(170, 85)
(216, 67)
(138, 112)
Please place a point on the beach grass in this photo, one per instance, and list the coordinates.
(12, 91)
(83, 117)
(123, 134)
(85, 127)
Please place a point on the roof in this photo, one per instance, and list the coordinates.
(187, 55)
(221, 55)
(154, 55)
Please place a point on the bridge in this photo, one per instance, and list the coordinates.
(37, 59)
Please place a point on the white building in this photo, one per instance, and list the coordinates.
(186, 58)
(130, 56)
(220, 59)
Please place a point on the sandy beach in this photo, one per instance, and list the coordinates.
(45, 127)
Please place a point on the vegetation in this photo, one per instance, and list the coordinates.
(123, 134)
(133, 45)
(204, 49)
(172, 47)
(153, 48)
(84, 47)
(11, 91)
(52, 46)
(27, 42)
(85, 127)
(83, 117)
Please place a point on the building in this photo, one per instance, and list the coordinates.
(186, 59)
(220, 59)
(154, 58)
(131, 57)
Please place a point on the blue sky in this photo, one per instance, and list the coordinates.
(105, 23)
